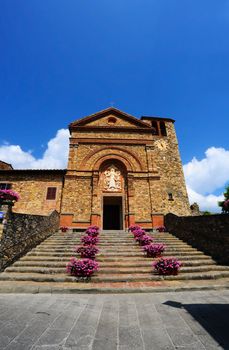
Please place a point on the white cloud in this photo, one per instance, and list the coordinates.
(208, 202)
(208, 174)
(205, 176)
(54, 157)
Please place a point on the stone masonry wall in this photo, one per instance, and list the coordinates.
(32, 189)
(142, 201)
(169, 167)
(23, 232)
(208, 233)
(77, 198)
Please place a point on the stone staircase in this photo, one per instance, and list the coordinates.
(123, 266)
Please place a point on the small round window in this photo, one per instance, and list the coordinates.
(112, 120)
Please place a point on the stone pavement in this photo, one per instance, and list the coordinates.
(182, 320)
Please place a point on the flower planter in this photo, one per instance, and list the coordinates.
(92, 231)
(144, 240)
(9, 196)
(89, 240)
(167, 266)
(64, 228)
(154, 250)
(81, 268)
(88, 251)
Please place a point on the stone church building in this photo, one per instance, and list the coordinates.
(121, 170)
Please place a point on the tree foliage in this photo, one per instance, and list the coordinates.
(225, 203)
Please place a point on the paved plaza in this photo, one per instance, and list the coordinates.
(188, 320)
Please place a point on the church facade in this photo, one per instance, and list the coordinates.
(121, 170)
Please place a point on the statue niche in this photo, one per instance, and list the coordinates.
(111, 179)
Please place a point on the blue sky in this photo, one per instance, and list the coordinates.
(61, 60)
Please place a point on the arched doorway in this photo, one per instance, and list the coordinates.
(112, 184)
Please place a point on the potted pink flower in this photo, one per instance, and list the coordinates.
(144, 239)
(138, 233)
(81, 267)
(133, 228)
(161, 228)
(92, 231)
(89, 240)
(64, 228)
(167, 266)
(8, 197)
(154, 250)
(87, 251)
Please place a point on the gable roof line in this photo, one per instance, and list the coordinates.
(93, 116)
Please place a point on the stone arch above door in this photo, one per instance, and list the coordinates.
(94, 159)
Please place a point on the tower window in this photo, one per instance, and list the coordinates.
(155, 128)
(170, 195)
(163, 129)
(51, 193)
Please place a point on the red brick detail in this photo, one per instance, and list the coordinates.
(66, 220)
(157, 220)
(131, 220)
(144, 225)
(80, 225)
(95, 220)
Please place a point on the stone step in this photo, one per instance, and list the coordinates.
(111, 259)
(108, 250)
(111, 245)
(124, 237)
(121, 261)
(144, 263)
(5, 276)
(118, 254)
(116, 244)
(111, 288)
(114, 270)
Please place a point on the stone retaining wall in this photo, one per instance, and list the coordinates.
(23, 232)
(208, 233)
